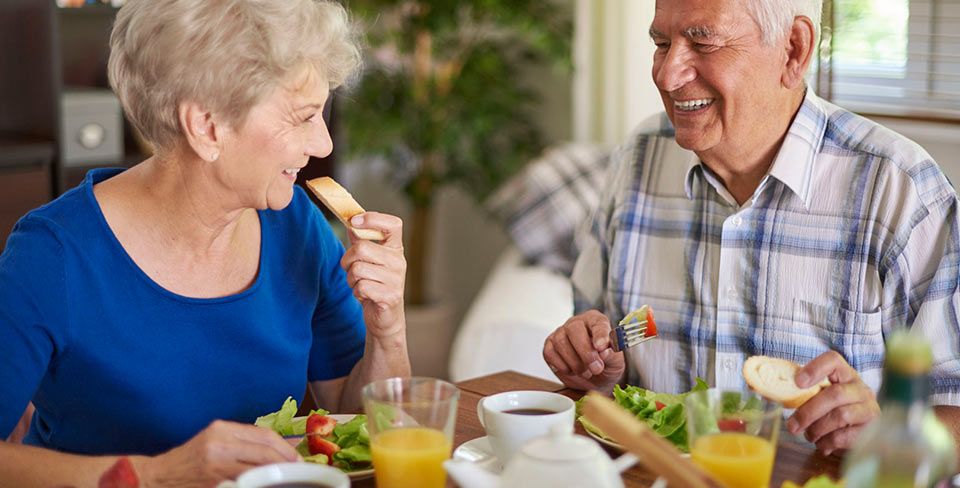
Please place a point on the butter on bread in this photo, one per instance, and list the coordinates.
(774, 379)
(341, 204)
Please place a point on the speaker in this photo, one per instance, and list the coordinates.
(91, 125)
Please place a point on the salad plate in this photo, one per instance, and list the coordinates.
(604, 441)
(341, 419)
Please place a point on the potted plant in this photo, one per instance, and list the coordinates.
(439, 98)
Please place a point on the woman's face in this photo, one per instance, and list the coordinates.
(261, 159)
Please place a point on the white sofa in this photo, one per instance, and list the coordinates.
(508, 321)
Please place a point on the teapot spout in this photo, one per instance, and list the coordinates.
(471, 475)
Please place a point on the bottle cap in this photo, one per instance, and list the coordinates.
(909, 353)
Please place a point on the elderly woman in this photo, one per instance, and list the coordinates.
(157, 311)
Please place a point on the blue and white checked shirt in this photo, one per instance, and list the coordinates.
(852, 234)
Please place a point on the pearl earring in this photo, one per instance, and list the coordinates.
(215, 156)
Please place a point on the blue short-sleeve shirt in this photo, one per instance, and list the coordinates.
(116, 364)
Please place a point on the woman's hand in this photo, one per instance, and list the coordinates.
(834, 417)
(220, 452)
(376, 272)
(579, 353)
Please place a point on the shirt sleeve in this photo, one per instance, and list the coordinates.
(921, 290)
(339, 333)
(33, 308)
(594, 239)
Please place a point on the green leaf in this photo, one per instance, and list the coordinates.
(352, 458)
(281, 420)
(729, 402)
(669, 422)
(317, 458)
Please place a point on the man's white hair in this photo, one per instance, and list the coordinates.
(776, 16)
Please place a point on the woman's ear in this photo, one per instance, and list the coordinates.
(200, 130)
(799, 50)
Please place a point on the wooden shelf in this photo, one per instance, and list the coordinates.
(17, 152)
(87, 10)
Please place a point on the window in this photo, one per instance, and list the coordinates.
(892, 57)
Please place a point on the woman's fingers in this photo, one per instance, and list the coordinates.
(390, 225)
(385, 296)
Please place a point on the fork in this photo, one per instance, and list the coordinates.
(628, 334)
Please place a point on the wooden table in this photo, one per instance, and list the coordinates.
(797, 460)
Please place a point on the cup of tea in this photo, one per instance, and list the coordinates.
(290, 475)
(513, 418)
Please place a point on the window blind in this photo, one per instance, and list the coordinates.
(891, 57)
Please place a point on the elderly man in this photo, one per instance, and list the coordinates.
(765, 221)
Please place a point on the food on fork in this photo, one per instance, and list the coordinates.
(636, 327)
(341, 204)
(774, 379)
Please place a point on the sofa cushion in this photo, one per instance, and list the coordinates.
(544, 204)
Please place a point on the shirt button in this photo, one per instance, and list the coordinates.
(737, 221)
(732, 292)
(728, 364)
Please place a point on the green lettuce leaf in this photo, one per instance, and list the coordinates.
(282, 421)
(352, 437)
(669, 422)
(353, 458)
(352, 433)
(317, 458)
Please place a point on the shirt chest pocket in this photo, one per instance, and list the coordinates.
(812, 329)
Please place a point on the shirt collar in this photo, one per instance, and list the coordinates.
(793, 166)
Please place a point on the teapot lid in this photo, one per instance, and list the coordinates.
(561, 445)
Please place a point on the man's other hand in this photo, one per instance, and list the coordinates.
(833, 418)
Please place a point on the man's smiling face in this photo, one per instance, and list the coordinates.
(719, 82)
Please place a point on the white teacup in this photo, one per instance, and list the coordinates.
(513, 418)
(292, 474)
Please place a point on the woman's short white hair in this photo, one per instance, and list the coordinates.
(776, 16)
(222, 54)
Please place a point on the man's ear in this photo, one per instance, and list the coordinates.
(799, 50)
(200, 130)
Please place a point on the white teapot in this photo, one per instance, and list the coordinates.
(559, 459)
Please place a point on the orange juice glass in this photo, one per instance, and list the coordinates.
(733, 436)
(411, 423)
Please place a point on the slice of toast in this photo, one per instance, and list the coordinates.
(341, 204)
(773, 379)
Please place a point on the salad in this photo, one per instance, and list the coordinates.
(662, 412)
(822, 481)
(325, 441)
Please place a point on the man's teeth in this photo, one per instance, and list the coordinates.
(291, 171)
(691, 105)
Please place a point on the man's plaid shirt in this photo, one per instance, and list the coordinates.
(852, 234)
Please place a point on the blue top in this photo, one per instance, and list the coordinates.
(114, 363)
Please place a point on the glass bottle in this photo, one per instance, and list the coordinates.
(907, 446)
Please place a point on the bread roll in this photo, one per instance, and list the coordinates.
(342, 204)
(773, 379)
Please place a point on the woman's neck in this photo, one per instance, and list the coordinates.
(189, 211)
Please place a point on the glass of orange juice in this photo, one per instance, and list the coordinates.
(410, 421)
(733, 435)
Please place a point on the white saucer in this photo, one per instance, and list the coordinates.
(478, 451)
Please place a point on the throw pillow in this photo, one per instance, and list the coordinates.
(543, 205)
